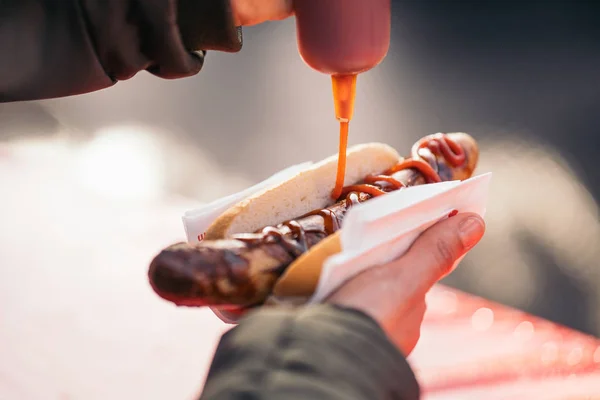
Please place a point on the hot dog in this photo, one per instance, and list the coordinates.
(271, 246)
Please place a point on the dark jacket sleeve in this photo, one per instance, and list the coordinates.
(319, 352)
(55, 48)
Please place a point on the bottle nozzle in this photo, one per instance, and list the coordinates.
(344, 93)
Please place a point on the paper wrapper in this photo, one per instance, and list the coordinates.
(375, 232)
(383, 229)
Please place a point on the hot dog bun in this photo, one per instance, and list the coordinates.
(302, 193)
(302, 276)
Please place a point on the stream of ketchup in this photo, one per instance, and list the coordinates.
(344, 93)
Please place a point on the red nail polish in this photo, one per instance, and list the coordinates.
(452, 213)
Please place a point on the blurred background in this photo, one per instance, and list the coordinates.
(521, 76)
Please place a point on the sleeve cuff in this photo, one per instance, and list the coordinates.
(319, 347)
(381, 361)
(208, 25)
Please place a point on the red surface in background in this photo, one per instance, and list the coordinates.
(471, 348)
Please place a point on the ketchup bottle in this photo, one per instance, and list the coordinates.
(343, 38)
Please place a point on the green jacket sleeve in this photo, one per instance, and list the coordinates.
(318, 352)
(55, 48)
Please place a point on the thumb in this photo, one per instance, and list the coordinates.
(433, 255)
(253, 12)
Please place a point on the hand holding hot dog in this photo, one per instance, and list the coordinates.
(394, 294)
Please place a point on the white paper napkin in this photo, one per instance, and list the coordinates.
(383, 229)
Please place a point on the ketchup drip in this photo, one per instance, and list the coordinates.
(295, 241)
(371, 190)
(439, 145)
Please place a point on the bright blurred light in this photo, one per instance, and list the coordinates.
(524, 331)
(444, 302)
(549, 353)
(575, 356)
(482, 319)
(597, 355)
(123, 163)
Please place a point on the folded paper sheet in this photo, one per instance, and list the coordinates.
(384, 228)
(374, 232)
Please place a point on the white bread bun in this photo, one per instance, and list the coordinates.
(309, 190)
(300, 279)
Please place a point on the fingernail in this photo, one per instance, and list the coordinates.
(470, 231)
